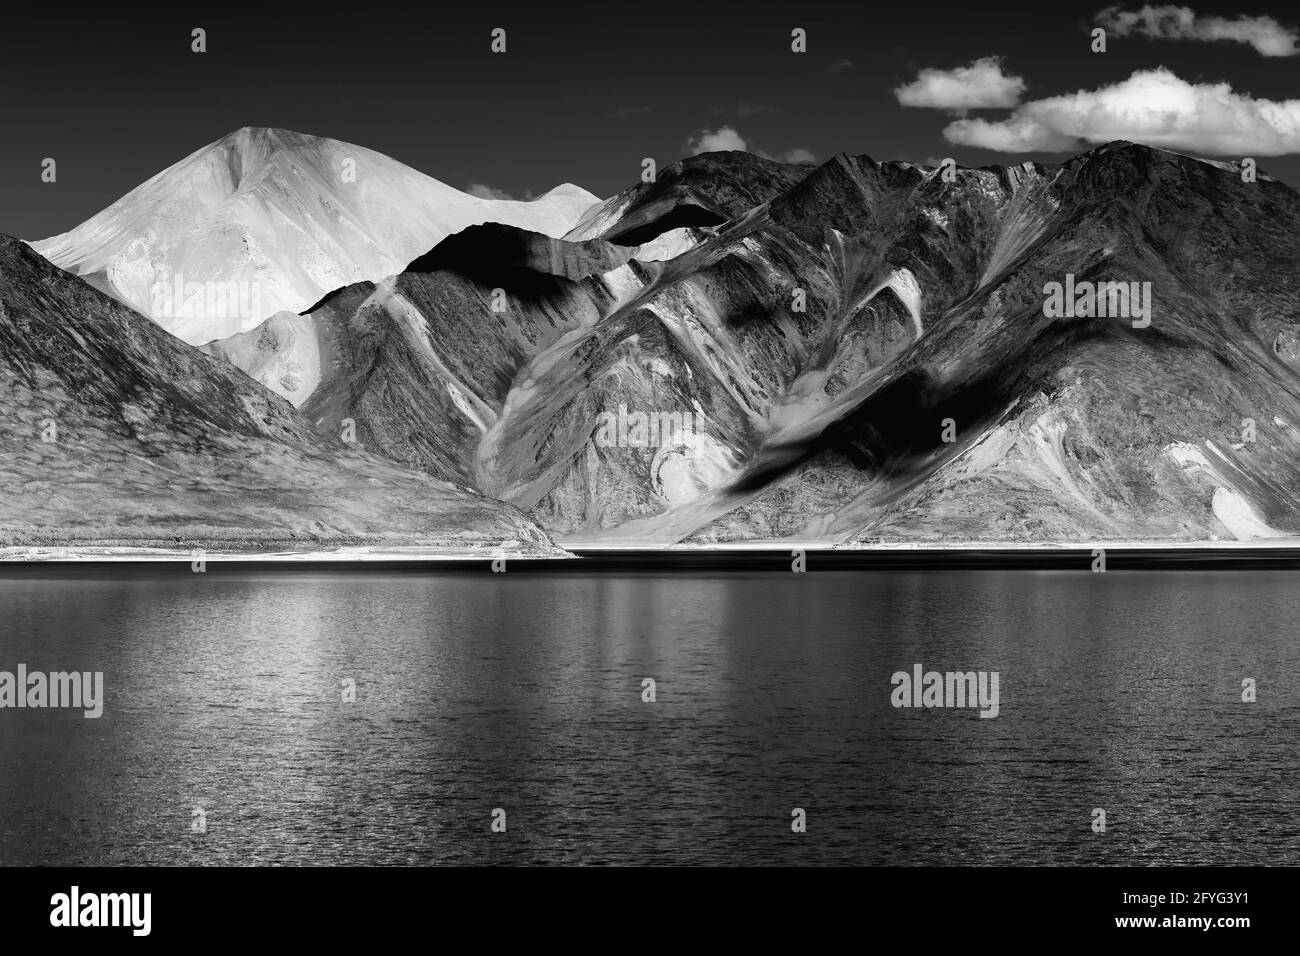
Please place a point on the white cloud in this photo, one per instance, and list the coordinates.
(1154, 107)
(487, 192)
(799, 155)
(1020, 133)
(711, 141)
(726, 137)
(1266, 35)
(982, 85)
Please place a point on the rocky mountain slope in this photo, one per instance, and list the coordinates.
(864, 350)
(286, 217)
(117, 434)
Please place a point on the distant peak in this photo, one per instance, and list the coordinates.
(256, 133)
(1117, 146)
(1124, 150)
(570, 189)
(262, 140)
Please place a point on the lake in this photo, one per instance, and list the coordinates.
(228, 703)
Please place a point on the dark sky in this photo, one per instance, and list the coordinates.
(585, 90)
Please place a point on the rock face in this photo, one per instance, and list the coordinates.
(861, 351)
(118, 434)
(265, 220)
(281, 354)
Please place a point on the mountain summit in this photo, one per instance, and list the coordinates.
(286, 218)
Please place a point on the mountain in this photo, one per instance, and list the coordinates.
(865, 350)
(706, 190)
(284, 216)
(118, 434)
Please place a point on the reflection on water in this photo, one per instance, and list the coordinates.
(1119, 691)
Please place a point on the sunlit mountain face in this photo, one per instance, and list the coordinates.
(267, 220)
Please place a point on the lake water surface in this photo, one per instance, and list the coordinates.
(523, 691)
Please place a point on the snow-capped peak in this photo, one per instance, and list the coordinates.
(269, 220)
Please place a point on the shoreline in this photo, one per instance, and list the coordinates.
(774, 557)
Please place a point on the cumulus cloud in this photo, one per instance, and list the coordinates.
(487, 192)
(982, 85)
(1153, 107)
(1021, 133)
(711, 141)
(726, 137)
(797, 156)
(1168, 22)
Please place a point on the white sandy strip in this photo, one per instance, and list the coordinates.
(357, 555)
(828, 544)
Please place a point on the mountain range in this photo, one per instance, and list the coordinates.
(863, 351)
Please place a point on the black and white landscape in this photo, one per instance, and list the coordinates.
(620, 438)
